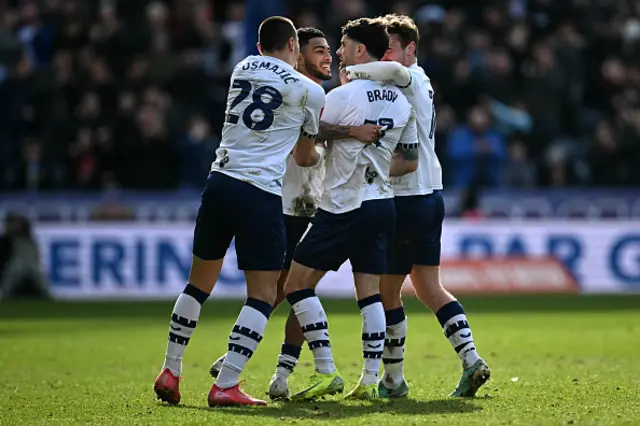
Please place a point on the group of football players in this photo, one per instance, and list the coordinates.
(305, 182)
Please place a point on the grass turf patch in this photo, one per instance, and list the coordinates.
(554, 360)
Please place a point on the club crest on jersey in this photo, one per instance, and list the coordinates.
(370, 175)
(223, 159)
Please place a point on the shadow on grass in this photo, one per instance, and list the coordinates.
(334, 410)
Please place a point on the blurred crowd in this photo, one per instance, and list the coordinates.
(131, 93)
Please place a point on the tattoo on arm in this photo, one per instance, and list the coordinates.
(331, 132)
(409, 152)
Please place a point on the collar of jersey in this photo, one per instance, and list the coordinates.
(273, 58)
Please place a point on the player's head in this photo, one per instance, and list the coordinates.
(363, 40)
(277, 37)
(315, 58)
(403, 39)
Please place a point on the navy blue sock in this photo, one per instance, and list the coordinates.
(288, 359)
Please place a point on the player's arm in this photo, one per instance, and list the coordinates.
(368, 133)
(338, 109)
(404, 160)
(392, 72)
(406, 154)
(305, 153)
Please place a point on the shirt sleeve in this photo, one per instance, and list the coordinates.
(392, 72)
(312, 110)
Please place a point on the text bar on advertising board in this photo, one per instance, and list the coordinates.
(502, 276)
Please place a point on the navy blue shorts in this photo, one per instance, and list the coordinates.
(295, 227)
(232, 208)
(361, 236)
(418, 232)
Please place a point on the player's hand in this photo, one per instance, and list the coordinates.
(342, 74)
(368, 133)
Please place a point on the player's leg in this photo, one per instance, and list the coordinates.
(294, 228)
(425, 277)
(453, 319)
(214, 370)
(392, 384)
(400, 262)
(368, 258)
(260, 247)
(212, 237)
(294, 339)
(324, 247)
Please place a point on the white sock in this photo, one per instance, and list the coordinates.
(287, 360)
(315, 328)
(393, 358)
(184, 319)
(456, 329)
(243, 341)
(373, 332)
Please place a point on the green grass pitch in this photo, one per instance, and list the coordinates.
(555, 360)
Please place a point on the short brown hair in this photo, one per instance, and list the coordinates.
(404, 27)
(370, 32)
(274, 33)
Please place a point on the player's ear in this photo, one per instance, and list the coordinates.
(411, 48)
(292, 44)
(259, 47)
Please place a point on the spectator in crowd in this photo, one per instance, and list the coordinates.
(100, 95)
(476, 152)
(469, 208)
(20, 269)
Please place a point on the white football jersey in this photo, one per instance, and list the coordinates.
(356, 172)
(302, 188)
(268, 106)
(428, 177)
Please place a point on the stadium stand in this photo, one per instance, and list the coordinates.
(119, 104)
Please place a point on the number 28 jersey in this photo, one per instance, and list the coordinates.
(268, 106)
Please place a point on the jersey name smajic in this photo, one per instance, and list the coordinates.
(265, 65)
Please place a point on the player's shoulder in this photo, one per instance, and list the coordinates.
(418, 76)
(245, 64)
(310, 92)
(312, 88)
(398, 97)
(352, 89)
(344, 92)
(418, 72)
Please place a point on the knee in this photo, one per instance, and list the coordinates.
(299, 278)
(268, 295)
